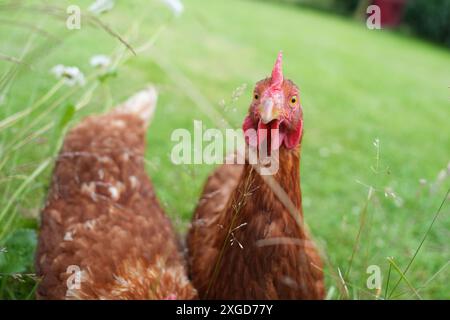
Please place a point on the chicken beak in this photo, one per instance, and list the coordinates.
(268, 111)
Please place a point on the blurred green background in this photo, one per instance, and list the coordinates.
(376, 109)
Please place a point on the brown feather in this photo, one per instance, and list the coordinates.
(102, 215)
(251, 247)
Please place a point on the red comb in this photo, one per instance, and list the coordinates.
(277, 73)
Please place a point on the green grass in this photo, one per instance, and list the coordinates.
(357, 85)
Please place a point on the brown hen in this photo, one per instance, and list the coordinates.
(244, 243)
(103, 233)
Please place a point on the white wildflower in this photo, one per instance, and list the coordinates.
(100, 61)
(176, 6)
(101, 6)
(423, 181)
(71, 75)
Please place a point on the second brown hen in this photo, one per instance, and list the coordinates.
(104, 234)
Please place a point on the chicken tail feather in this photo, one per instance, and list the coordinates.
(142, 104)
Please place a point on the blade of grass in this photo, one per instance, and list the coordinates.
(17, 194)
(434, 276)
(361, 227)
(402, 275)
(105, 27)
(22, 114)
(338, 279)
(330, 293)
(9, 76)
(9, 178)
(43, 114)
(387, 281)
(426, 283)
(422, 242)
(60, 13)
(30, 295)
(33, 136)
(15, 60)
(344, 284)
(21, 24)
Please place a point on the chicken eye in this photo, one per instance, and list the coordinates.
(256, 96)
(293, 100)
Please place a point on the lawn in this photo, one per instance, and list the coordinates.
(376, 150)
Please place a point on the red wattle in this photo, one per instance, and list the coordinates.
(292, 138)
